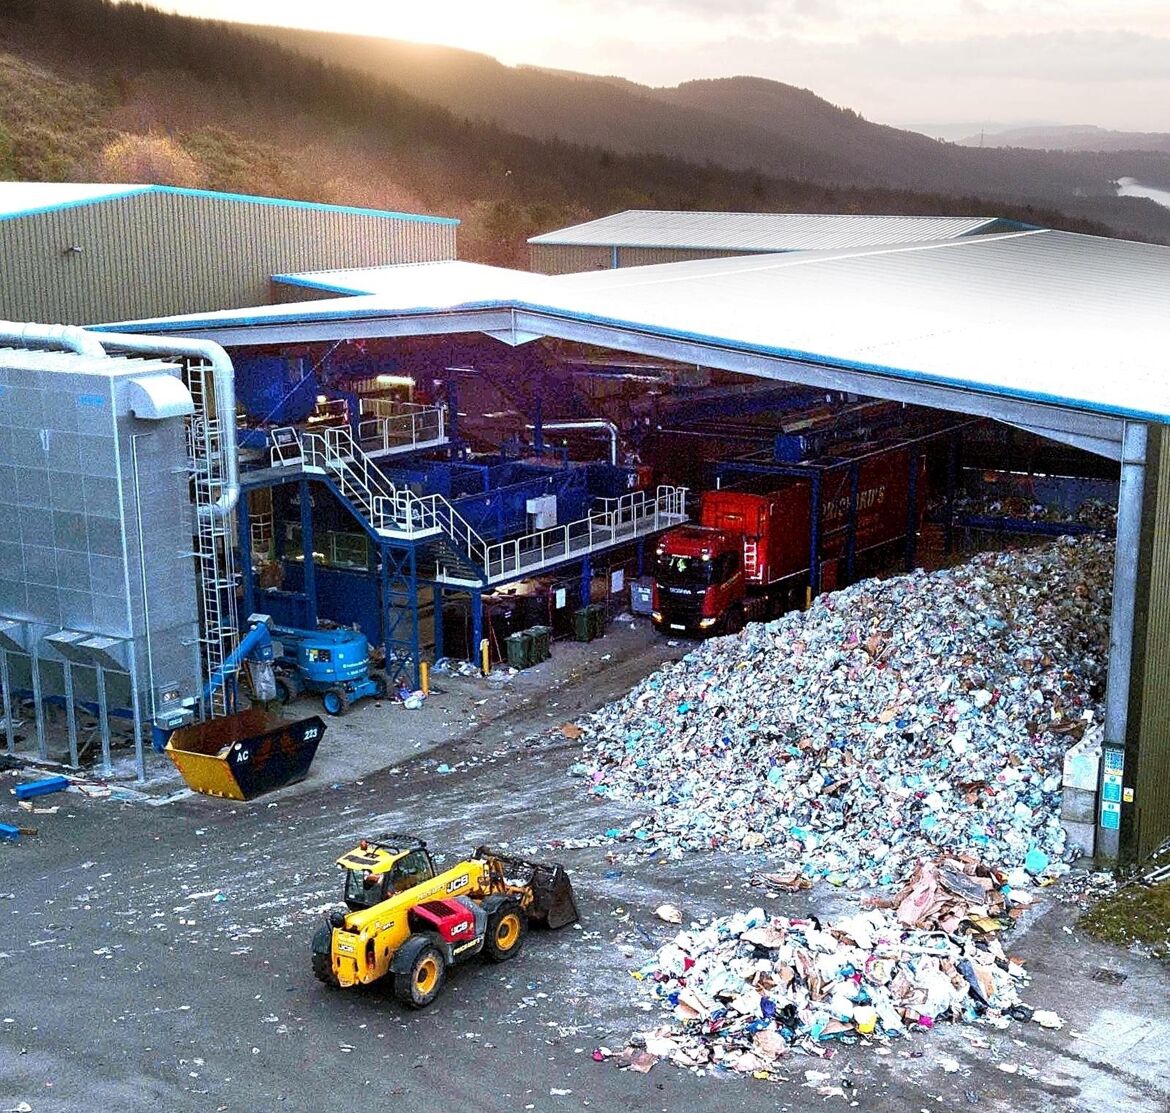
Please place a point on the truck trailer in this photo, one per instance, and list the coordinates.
(751, 555)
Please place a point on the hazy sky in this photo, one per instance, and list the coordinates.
(1104, 62)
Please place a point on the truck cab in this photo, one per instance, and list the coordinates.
(699, 582)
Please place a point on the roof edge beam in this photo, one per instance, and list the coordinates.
(1107, 447)
(274, 331)
(874, 384)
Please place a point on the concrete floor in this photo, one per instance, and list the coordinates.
(157, 957)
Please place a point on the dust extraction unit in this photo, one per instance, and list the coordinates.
(117, 484)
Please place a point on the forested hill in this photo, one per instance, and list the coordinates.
(90, 90)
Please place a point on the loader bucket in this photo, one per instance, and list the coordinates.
(553, 904)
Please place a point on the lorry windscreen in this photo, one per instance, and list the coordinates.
(682, 571)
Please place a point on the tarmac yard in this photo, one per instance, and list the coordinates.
(156, 957)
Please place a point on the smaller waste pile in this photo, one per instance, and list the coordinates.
(747, 989)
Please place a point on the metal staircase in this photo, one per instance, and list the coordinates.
(461, 556)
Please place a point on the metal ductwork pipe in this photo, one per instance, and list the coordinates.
(224, 378)
(69, 337)
(592, 423)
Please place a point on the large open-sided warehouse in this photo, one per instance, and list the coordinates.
(416, 442)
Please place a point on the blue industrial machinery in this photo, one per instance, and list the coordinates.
(333, 663)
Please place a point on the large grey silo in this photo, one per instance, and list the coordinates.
(96, 568)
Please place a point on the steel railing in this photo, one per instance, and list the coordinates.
(385, 424)
(616, 520)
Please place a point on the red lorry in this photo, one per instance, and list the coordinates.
(749, 556)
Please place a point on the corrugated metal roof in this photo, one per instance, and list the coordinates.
(1077, 321)
(28, 198)
(450, 281)
(762, 231)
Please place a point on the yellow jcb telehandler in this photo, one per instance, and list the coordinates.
(406, 921)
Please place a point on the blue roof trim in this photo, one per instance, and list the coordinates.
(820, 360)
(181, 191)
(281, 202)
(309, 284)
(130, 191)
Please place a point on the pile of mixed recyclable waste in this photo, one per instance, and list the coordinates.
(892, 720)
(746, 990)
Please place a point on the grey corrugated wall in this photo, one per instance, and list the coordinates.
(154, 254)
(557, 259)
(572, 258)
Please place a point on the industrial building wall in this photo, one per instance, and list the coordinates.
(153, 254)
(1147, 825)
(572, 259)
(555, 259)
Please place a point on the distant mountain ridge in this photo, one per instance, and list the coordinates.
(1072, 137)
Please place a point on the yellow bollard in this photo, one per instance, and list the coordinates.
(424, 677)
(485, 655)
(808, 597)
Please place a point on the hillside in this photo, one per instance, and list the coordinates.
(92, 91)
(745, 123)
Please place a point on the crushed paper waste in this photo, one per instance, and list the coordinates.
(748, 989)
(893, 719)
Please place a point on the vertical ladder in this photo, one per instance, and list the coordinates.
(214, 555)
(750, 559)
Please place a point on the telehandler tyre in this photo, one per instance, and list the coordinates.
(424, 981)
(323, 956)
(506, 928)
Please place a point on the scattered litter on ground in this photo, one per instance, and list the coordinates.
(747, 989)
(893, 719)
(669, 913)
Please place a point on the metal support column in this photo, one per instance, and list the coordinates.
(1130, 498)
(912, 513)
(307, 553)
(6, 695)
(476, 622)
(538, 427)
(42, 743)
(70, 714)
(851, 527)
(104, 721)
(400, 626)
(814, 535)
(247, 573)
(952, 480)
(586, 581)
(437, 596)
(136, 714)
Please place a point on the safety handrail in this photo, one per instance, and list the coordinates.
(389, 424)
(618, 520)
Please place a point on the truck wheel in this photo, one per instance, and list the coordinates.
(735, 620)
(505, 932)
(284, 691)
(424, 981)
(335, 701)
